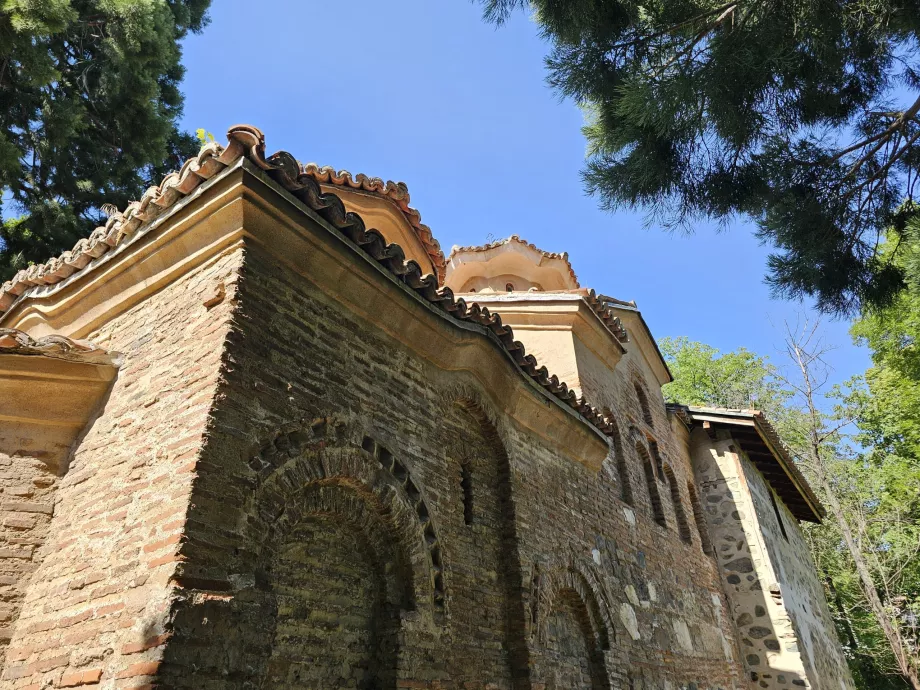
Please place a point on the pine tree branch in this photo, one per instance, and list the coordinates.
(901, 120)
(701, 34)
(674, 27)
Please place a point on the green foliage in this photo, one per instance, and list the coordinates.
(89, 102)
(786, 113)
(885, 404)
(705, 376)
(888, 405)
(203, 136)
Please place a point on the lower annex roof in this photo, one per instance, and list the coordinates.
(763, 445)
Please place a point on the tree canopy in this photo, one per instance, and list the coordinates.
(89, 105)
(802, 116)
(888, 406)
(705, 376)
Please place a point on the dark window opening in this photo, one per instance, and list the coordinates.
(652, 485)
(466, 484)
(683, 528)
(656, 456)
(509, 287)
(643, 403)
(620, 457)
(700, 520)
(779, 518)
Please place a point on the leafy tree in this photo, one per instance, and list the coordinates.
(705, 376)
(888, 405)
(801, 116)
(885, 405)
(89, 105)
(872, 520)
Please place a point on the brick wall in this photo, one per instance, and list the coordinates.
(26, 503)
(99, 596)
(282, 491)
(511, 566)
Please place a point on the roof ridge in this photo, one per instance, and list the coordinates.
(564, 256)
(397, 192)
(211, 159)
(246, 141)
(123, 225)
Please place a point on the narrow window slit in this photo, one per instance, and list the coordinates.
(466, 484)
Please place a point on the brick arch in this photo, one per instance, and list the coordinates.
(475, 453)
(361, 582)
(573, 628)
(683, 527)
(586, 585)
(280, 502)
(642, 398)
(651, 481)
(622, 467)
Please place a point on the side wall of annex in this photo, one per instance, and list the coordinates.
(785, 630)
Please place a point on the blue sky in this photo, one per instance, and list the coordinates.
(424, 92)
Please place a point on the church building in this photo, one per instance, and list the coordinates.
(258, 432)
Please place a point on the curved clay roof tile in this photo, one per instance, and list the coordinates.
(247, 141)
(397, 192)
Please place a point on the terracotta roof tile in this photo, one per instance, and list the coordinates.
(122, 226)
(248, 142)
(397, 192)
(599, 305)
(790, 481)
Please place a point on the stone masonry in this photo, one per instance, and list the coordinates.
(292, 445)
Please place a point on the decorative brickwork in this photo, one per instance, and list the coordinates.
(311, 465)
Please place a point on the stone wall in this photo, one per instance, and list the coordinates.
(786, 634)
(510, 564)
(804, 624)
(307, 475)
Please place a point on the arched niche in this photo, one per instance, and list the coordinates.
(341, 552)
(481, 535)
(619, 458)
(572, 630)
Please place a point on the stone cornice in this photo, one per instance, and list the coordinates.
(50, 388)
(567, 311)
(16, 342)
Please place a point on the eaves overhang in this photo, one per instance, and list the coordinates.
(762, 444)
(660, 365)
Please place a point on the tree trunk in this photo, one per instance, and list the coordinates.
(817, 438)
(906, 664)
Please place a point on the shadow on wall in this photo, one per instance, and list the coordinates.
(334, 573)
(767, 641)
(326, 572)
